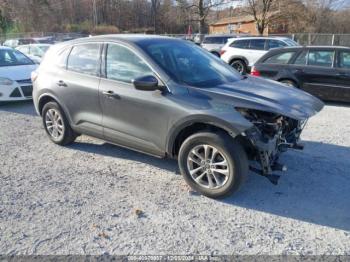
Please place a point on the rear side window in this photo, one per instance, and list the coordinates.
(344, 59)
(282, 58)
(321, 58)
(257, 44)
(84, 59)
(240, 44)
(123, 65)
(275, 44)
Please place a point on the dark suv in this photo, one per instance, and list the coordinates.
(323, 71)
(169, 98)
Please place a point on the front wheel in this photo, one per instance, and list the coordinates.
(56, 124)
(213, 164)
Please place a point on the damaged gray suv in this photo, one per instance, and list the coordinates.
(170, 98)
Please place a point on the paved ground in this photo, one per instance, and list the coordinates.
(95, 198)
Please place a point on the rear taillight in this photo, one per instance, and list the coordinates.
(255, 72)
(34, 76)
(222, 52)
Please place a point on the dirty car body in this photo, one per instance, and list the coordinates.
(185, 91)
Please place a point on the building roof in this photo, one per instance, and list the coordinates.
(234, 20)
(239, 19)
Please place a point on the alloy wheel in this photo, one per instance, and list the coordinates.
(208, 166)
(54, 124)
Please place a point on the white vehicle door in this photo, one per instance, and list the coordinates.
(256, 50)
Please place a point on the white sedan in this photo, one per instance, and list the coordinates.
(15, 72)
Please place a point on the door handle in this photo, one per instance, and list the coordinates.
(111, 94)
(61, 83)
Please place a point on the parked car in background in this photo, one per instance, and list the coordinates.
(45, 40)
(34, 51)
(20, 41)
(214, 43)
(15, 71)
(242, 53)
(170, 98)
(323, 71)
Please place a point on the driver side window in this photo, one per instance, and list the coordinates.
(123, 65)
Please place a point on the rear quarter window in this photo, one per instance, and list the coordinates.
(282, 58)
(275, 44)
(344, 59)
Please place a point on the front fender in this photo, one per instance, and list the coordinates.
(234, 124)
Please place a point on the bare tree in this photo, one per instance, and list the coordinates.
(200, 10)
(260, 10)
(155, 9)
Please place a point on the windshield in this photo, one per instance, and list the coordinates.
(187, 63)
(10, 57)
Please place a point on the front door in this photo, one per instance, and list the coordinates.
(133, 118)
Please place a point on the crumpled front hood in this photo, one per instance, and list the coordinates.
(266, 95)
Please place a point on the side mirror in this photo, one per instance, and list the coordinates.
(146, 83)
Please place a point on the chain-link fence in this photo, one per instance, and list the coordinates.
(301, 38)
(320, 39)
(56, 37)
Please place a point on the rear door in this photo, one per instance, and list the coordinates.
(342, 91)
(77, 86)
(276, 66)
(318, 76)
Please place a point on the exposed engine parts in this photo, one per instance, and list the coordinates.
(271, 135)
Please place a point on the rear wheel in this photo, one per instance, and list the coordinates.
(213, 164)
(239, 65)
(56, 125)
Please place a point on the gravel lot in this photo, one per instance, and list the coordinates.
(95, 198)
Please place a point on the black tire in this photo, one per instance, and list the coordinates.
(239, 65)
(231, 150)
(68, 135)
(289, 83)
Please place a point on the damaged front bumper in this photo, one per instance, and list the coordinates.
(267, 149)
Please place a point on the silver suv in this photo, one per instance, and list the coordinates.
(214, 43)
(170, 98)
